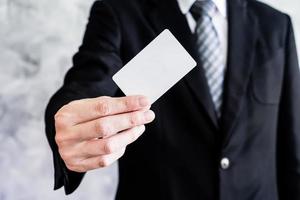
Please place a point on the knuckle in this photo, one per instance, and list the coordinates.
(98, 126)
(66, 156)
(102, 127)
(103, 162)
(81, 168)
(74, 165)
(61, 119)
(70, 167)
(76, 168)
(108, 147)
(63, 155)
(130, 103)
(59, 138)
(127, 103)
(134, 119)
(102, 107)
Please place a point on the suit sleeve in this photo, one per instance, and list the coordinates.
(93, 66)
(289, 124)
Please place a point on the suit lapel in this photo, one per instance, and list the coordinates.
(166, 14)
(242, 40)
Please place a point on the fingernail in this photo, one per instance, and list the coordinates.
(144, 101)
(149, 115)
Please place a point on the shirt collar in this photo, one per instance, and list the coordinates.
(185, 6)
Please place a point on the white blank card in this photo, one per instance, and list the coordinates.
(154, 70)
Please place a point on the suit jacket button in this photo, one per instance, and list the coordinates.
(225, 163)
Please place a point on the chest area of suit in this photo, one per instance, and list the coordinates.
(253, 76)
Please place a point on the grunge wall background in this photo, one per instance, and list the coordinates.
(37, 41)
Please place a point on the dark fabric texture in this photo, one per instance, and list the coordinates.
(178, 157)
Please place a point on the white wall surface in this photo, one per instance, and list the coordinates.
(37, 41)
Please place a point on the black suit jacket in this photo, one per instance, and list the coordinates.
(178, 157)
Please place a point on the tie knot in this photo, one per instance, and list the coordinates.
(201, 8)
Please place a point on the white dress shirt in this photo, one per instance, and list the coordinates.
(219, 20)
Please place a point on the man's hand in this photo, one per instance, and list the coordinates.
(93, 133)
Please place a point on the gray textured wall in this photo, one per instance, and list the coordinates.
(37, 41)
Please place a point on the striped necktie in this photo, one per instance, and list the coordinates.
(209, 50)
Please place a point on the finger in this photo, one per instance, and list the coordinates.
(110, 125)
(89, 109)
(101, 161)
(111, 144)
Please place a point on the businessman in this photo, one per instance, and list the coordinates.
(229, 130)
